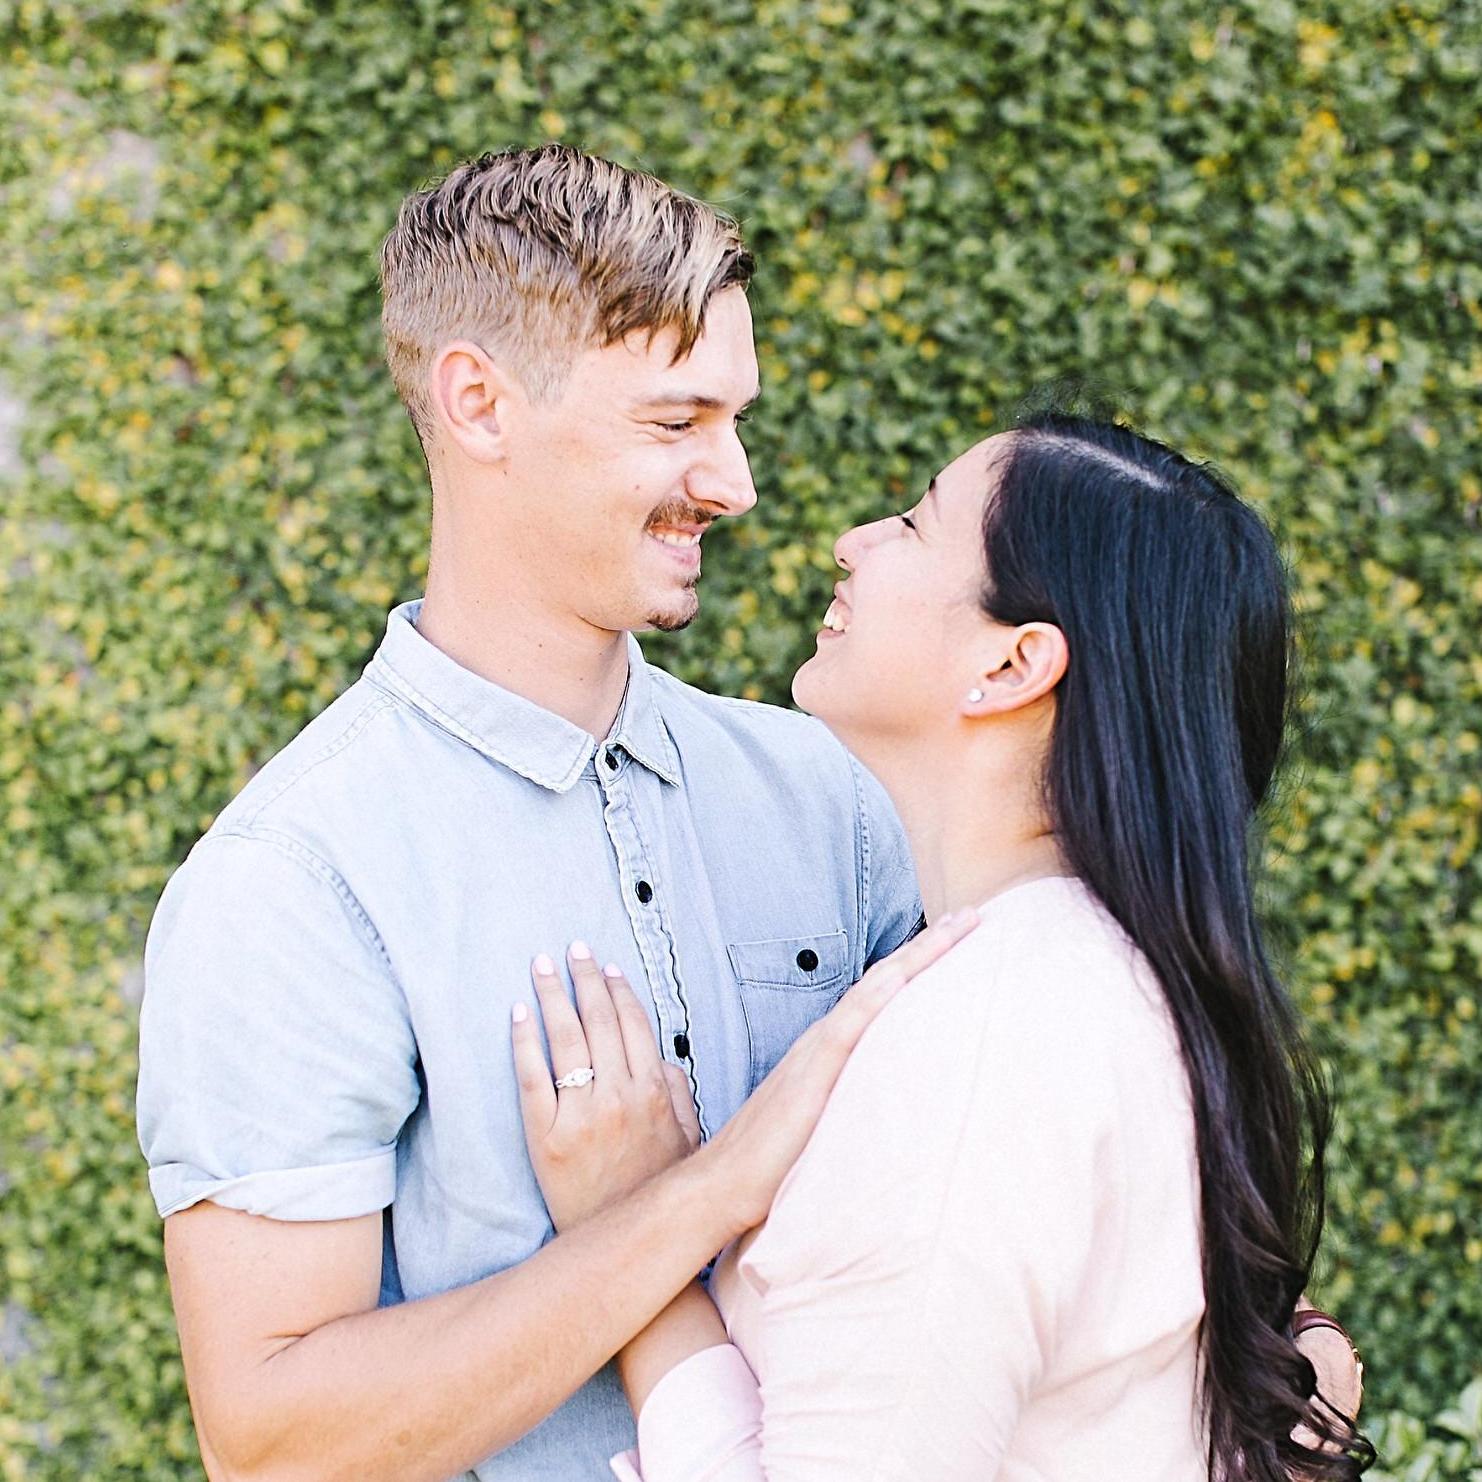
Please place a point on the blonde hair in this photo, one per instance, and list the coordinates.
(537, 254)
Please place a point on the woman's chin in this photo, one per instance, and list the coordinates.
(815, 691)
(809, 691)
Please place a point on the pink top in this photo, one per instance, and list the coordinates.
(985, 1265)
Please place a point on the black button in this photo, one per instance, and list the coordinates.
(682, 1045)
(807, 959)
(611, 760)
(644, 891)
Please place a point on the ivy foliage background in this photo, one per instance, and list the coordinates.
(1261, 223)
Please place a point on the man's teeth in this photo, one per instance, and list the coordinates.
(833, 619)
(674, 537)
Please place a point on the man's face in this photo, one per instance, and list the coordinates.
(613, 483)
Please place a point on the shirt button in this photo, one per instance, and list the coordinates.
(611, 759)
(682, 1045)
(807, 959)
(644, 891)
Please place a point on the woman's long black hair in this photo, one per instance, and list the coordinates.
(1169, 724)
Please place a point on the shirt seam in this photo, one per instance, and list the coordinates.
(322, 870)
(863, 914)
(668, 936)
(330, 750)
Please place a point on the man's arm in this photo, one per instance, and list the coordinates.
(294, 1373)
(277, 1068)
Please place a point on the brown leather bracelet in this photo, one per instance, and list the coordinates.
(1314, 1317)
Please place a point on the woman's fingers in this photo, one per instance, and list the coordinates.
(682, 1102)
(922, 950)
(599, 1019)
(532, 1073)
(563, 1029)
(856, 1010)
(639, 1044)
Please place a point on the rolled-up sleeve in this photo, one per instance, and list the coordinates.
(701, 1423)
(277, 1060)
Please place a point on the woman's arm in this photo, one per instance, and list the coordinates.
(744, 1163)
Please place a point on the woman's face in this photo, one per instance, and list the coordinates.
(906, 633)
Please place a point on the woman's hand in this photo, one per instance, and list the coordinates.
(754, 1150)
(592, 1143)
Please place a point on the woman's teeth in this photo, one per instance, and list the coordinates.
(674, 537)
(833, 619)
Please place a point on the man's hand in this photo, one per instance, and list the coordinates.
(593, 1143)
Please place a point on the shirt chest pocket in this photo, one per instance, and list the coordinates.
(786, 983)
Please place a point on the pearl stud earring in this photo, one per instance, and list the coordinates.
(973, 696)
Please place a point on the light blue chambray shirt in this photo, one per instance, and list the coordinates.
(329, 975)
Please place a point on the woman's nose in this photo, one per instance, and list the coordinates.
(853, 543)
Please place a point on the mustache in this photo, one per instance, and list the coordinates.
(681, 514)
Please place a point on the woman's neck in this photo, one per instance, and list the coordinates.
(984, 834)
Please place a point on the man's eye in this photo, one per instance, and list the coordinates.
(675, 426)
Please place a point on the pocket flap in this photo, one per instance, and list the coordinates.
(792, 962)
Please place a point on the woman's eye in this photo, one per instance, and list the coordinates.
(743, 417)
(908, 522)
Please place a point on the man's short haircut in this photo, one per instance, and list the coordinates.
(538, 254)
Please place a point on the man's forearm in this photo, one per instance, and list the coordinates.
(429, 1388)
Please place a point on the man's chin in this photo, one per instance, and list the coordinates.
(678, 615)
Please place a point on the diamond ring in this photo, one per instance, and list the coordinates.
(582, 1077)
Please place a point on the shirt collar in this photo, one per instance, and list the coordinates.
(507, 728)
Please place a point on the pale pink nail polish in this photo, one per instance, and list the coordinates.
(581, 951)
(543, 965)
(519, 1013)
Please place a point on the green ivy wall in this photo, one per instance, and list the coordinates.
(1259, 224)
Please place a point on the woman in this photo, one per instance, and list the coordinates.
(1058, 1213)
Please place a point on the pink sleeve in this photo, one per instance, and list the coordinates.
(917, 1259)
(701, 1423)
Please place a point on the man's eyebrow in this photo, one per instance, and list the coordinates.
(699, 400)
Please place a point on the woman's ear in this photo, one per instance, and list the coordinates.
(1028, 670)
(471, 399)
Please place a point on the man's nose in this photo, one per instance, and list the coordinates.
(724, 480)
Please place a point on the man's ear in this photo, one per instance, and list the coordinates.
(472, 399)
(1028, 670)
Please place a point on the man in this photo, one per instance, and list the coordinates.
(326, 1099)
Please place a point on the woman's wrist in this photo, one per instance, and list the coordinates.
(710, 1177)
(687, 1326)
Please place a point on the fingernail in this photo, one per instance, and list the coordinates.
(519, 1013)
(612, 970)
(543, 965)
(581, 951)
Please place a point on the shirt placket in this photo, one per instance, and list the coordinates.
(647, 900)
